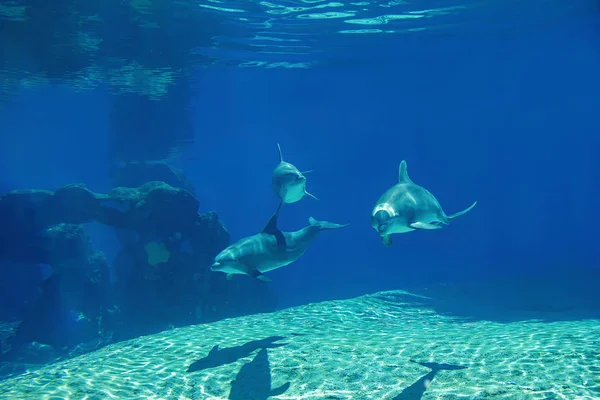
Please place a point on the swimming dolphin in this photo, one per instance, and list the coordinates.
(407, 206)
(289, 184)
(268, 250)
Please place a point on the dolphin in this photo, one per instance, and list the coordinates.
(289, 184)
(406, 207)
(268, 250)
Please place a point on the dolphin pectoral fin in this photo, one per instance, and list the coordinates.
(424, 226)
(258, 275)
(307, 172)
(272, 229)
(386, 240)
(229, 277)
(463, 212)
(310, 195)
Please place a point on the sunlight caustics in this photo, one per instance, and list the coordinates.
(376, 346)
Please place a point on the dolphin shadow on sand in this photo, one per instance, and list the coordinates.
(417, 389)
(253, 381)
(218, 357)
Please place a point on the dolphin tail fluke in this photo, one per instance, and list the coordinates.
(310, 195)
(280, 156)
(460, 213)
(324, 225)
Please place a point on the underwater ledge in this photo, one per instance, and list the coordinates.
(386, 345)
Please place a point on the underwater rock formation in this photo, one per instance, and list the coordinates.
(71, 303)
(153, 209)
(73, 306)
(161, 270)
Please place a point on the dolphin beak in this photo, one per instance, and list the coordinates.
(215, 265)
(381, 229)
(380, 221)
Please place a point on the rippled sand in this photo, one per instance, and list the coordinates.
(351, 349)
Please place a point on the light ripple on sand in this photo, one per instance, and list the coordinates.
(350, 349)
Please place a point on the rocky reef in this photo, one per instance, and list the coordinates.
(159, 278)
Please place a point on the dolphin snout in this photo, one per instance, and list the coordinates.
(216, 264)
(380, 220)
(382, 230)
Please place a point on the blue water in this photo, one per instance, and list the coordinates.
(511, 123)
(497, 103)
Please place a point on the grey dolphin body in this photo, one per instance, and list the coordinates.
(406, 207)
(269, 249)
(289, 184)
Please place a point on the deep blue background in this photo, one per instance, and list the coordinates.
(510, 121)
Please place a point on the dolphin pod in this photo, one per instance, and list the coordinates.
(271, 248)
(404, 207)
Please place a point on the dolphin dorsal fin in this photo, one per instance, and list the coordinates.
(280, 156)
(271, 226)
(403, 173)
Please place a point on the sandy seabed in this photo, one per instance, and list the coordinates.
(387, 345)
